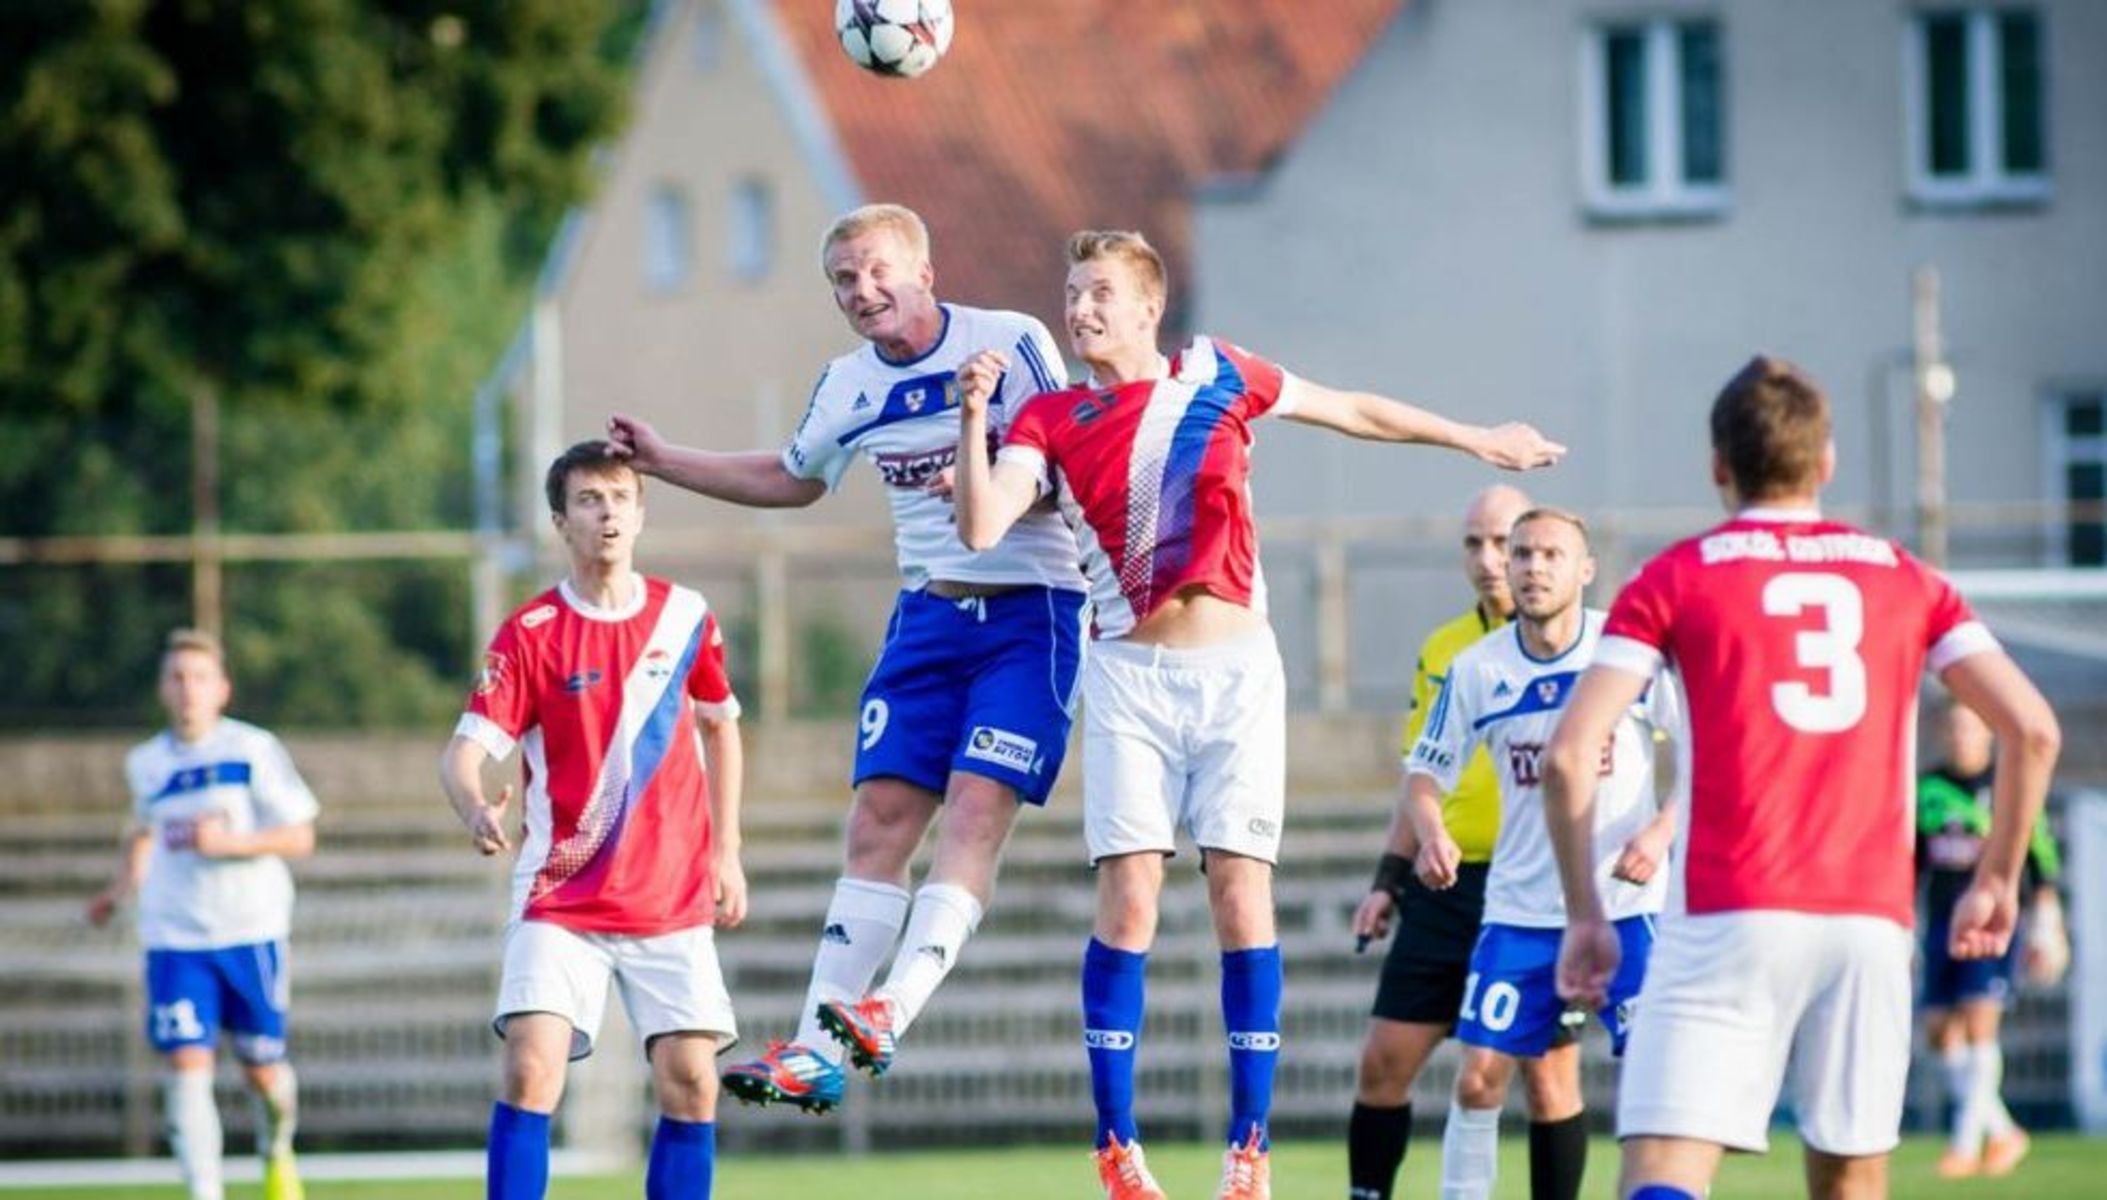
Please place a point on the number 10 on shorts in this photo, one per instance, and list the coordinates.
(1502, 1002)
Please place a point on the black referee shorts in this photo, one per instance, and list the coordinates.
(1430, 949)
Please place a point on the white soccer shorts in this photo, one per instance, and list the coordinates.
(1184, 737)
(670, 983)
(1739, 1006)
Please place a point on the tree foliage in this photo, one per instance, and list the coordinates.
(322, 211)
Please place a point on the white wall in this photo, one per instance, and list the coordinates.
(1425, 238)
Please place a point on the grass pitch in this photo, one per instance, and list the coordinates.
(2062, 1166)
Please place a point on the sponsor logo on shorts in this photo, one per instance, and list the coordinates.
(838, 934)
(1263, 828)
(1254, 1040)
(1108, 1039)
(1003, 748)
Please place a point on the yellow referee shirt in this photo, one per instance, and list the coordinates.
(1472, 811)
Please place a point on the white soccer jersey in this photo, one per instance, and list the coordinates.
(243, 775)
(1498, 694)
(903, 417)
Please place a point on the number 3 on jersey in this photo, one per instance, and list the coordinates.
(876, 714)
(1832, 648)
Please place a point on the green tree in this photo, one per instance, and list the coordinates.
(323, 213)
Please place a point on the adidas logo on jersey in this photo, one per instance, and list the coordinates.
(863, 401)
(1502, 689)
(838, 934)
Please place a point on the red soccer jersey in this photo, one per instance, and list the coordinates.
(1155, 478)
(1800, 644)
(618, 836)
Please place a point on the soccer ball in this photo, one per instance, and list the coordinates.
(894, 37)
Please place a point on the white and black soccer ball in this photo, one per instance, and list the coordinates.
(902, 38)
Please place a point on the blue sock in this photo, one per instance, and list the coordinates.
(683, 1159)
(518, 1159)
(1660, 1191)
(1112, 984)
(1251, 981)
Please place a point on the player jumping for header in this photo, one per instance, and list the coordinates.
(1185, 702)
(966, 713)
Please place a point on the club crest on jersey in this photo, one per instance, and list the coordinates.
(1547, 691)
(539, 615)
(658, 664)
(1003, 748)
(915, 399)
(492, 676)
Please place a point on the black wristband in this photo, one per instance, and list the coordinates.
(1392, 872)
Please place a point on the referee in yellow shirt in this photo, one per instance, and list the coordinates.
(1424, 972)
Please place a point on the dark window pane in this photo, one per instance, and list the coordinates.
(2085, 417)
(2088, 536)
(1946, 93)
(2019, 65)
(1624, 69)
(1703, 131)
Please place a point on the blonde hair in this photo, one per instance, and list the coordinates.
(1129, 247)
(195, 641)
(1547, 513)
(858, 221)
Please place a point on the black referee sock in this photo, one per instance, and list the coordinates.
(1375, 1149)
(1558, 1155)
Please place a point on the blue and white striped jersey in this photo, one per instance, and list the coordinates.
(903, 417)
(1500, 695)
(242, 775)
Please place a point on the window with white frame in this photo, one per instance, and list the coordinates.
(1976, 104)
(2075, 423)
(668, 241)
(752, 230)
(1653, 119)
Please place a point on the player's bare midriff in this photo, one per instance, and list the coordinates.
(1195, 617)
(954, 589)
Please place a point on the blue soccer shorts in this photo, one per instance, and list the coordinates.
(1510, 998)
(1949, 981)
(193, 994)
(983, 685)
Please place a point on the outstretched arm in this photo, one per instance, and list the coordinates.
(988, 498)
(1513, 446)
(755, 478)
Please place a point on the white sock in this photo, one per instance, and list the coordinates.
(1990, 1080)
(1974, 1118)
(277, 1112)
(862, 922)
(943, 917)
(193, 1130)
(1957, 1064)
(1470, 1153)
